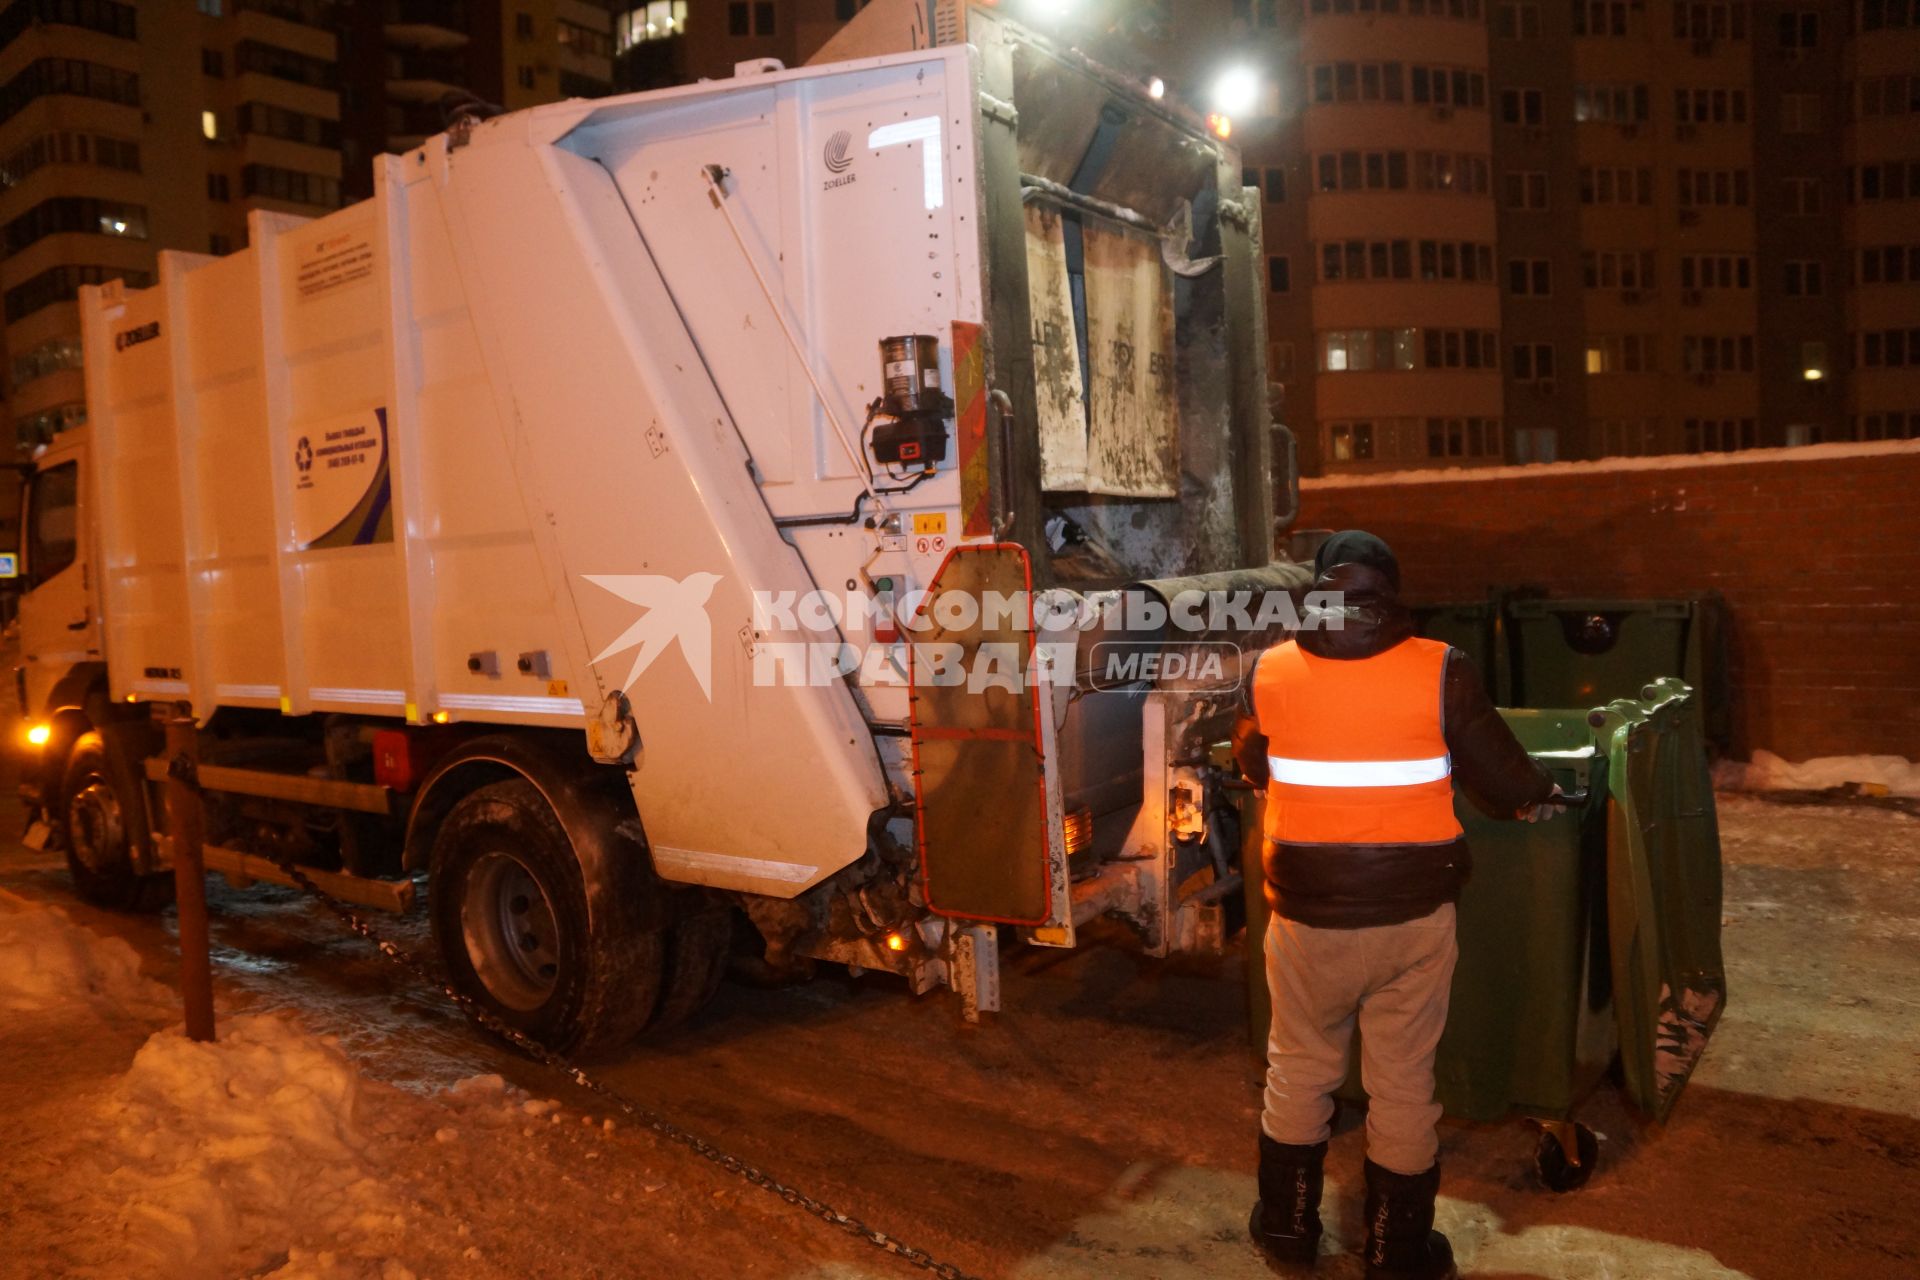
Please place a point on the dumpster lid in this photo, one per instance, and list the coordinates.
(1663, 891)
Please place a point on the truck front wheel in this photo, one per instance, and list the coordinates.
(102, 814)
(512, 917)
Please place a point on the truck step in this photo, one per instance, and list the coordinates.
(242, 869)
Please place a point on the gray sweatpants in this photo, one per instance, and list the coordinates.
(1395, 980)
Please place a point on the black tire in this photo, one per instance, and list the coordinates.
(697, 954)
(509, 905)
(101, 813)
(1551, 1165)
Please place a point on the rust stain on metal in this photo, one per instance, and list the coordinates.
(1056, 355)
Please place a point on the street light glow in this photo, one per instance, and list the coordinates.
(1156, 88)
(1236, 91)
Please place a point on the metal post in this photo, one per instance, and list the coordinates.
(186, 828)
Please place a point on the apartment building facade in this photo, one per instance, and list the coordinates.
(665, 42)
(1700, 218)
(405, 64)
(125, 129)
(1522, 230)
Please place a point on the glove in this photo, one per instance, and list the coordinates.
(1546, 810)
(1250, 750)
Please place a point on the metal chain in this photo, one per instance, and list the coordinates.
(665, 1128)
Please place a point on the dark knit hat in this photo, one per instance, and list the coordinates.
(1356, 546)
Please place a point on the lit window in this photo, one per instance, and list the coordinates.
(659, 20)
(210, 125)
(1813, 361)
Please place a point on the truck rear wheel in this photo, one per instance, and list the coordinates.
(103, 816)
(696, 961)
(512, 918)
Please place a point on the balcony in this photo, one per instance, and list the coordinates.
(426, 24)
(105, 17)
(425, 77)
(409, 126)
(305, 13)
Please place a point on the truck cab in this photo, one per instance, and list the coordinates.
(79, 754)
(59, 617)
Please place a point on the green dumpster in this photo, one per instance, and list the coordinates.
(1663, 890)
(1592, 936)
(1478, 630)
(1530, 1027)
(1580, 652)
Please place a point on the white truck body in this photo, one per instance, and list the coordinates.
(483, 413)
(528, 467)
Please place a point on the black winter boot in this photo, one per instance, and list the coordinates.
(1286, 1217)
(1401, 1241)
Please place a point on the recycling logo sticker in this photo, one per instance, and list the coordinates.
(341, 484)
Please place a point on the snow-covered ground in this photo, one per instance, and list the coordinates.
(1894, 775)
(49, 965)
(268, 1152)
(347, 1126)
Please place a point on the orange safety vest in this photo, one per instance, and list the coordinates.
(1355, 747)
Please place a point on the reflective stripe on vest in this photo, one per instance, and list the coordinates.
(1358, 773)
(1356, 747)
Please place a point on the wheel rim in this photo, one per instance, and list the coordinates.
(96, 830)
(512, 938)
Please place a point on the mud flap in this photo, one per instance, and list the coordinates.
(985, 823)
(1663, 891)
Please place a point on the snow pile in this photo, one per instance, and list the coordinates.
(478, 1089)
(257, 1136)
(1768, 772)
(48, 964)
(325, 1264)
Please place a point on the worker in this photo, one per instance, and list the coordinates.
(1358, 729)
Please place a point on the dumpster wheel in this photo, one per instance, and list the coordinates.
(1565, 1154)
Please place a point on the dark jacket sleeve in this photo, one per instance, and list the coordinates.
(1249, 744)
(1489, 761)
(1250, 750)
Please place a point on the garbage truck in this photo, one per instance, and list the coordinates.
(752, 510)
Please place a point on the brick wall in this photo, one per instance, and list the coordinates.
(1817, 552)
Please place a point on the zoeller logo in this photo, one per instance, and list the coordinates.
(838, 161)
(836, 152)
(135, 336)
(674, 610)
